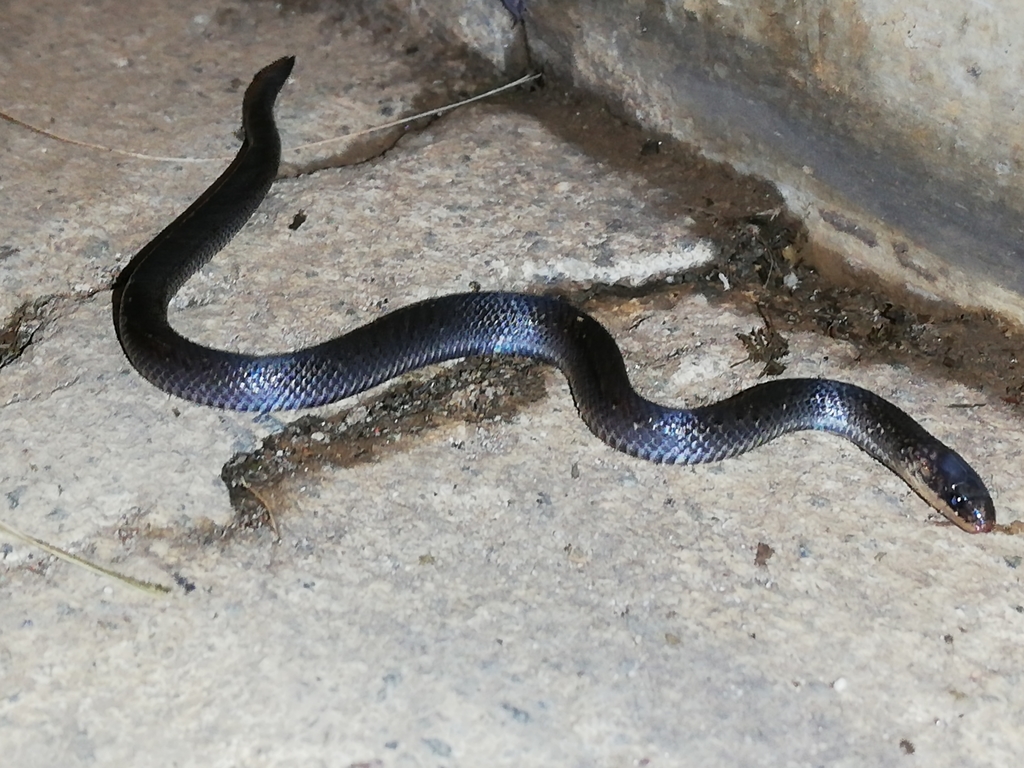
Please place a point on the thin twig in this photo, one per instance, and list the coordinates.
(163, 159)
(429, 113)
(145, 586)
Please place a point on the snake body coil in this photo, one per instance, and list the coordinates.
(460, 325)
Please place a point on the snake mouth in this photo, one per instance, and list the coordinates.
(972, 524)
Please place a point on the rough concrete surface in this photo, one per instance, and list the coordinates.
(499, 592)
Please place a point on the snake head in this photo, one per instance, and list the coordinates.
(965, 493)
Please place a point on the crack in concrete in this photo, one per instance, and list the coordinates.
(25, 324)
(474, 390)
(366, 150)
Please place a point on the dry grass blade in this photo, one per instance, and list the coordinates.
(161, 159)
(145, 586)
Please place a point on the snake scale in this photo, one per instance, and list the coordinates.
(544, 328)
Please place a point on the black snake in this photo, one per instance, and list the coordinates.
(459, 325)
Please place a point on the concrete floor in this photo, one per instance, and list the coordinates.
(499, 592)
